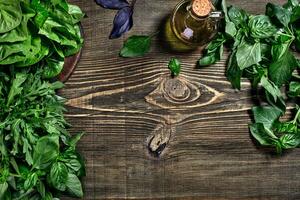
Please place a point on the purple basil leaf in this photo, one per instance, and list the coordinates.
(113, 4)
(122, 23)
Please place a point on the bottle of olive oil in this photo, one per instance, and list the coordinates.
(193, 23)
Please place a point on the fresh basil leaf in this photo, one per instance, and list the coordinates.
(266, 115)
(279, 13)
(113, 4)
(294, 89)
(46, 151)
(258, 131)
(261, 27)
(137, 45)
(271, 88)
(285, 127)
(213, 51)
(279, 103)
(248, 54)
(295, 14)
(238, 16)
(30, 181)
(230, 29)
(74, 185)
(208, 59)
(41, 189)
(58, 176)
(280, 71)
(291, 4)
(123, 22)
(3, 189)
(10, 15)
(233, 72)
(289, 141)
(175, 66)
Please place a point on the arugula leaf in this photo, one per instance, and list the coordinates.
(175, 66)
(248, 54)
(136, 45)
(16, 88)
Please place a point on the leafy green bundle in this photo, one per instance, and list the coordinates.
(261, 50)
(41, 32)
(39, 158)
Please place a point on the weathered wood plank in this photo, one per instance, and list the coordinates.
(124, 105)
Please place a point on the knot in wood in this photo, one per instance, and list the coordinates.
(158, 140)
(177, 90)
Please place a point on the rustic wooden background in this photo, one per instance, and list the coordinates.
(150, 136)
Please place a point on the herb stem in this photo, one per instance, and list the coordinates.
(296, 117)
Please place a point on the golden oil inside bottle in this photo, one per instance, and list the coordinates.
(185, 30)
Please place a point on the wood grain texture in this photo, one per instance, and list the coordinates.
(152, 137)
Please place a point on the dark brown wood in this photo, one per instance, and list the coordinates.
(152, 137)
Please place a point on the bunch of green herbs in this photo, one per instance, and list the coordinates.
(262, 50)
(38, 156)
(41, 32)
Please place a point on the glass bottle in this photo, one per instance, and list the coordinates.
(193, 23)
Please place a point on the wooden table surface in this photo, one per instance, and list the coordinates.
(150, 136)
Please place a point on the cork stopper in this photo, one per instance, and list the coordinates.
(201, 8)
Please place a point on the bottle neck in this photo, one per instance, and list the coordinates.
(200, 9)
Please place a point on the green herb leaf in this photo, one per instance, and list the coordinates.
(271, 88)
(266, 115)
(137, 45)
(3, 189)
(175, 66)
(280, 71)
(213, 51)
(279, 13)
(289, 141)
(294, 89)
(31, 181)
(74, 185)
(261, 27)
(233, 72)
(238, 16)
(45, 151)
(259, 132)
(10, 15)
(58, 176)
(248, 54)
